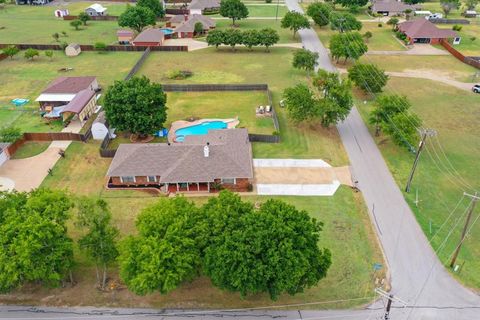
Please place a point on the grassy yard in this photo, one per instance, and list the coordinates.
(383, 38)
(454, 115)
(264, 10)
(468, 46)
(444, 65)
(30, 149)
(26, 79)
(347, 232)
(286, 36)
(222, 105)
(274, 68)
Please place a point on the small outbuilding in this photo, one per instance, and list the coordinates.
(391, 7)
(203, 6)
(96, 10)
(150, 37)
(60, 13)
(73, 50)
(100, 127)
(125, 36)
(470, 14)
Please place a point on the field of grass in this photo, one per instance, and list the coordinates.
(454, 115)
(286, 36)
(263, 10)
(30, 149)
(274, 68)
(445, 65)
(347, 232)
(221, 105)
(383, 38)
(36, 24)
(23, 78)
(468, 46)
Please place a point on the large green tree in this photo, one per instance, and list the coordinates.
(320, 13)
(154, 5)
(232, 37)
(386, 107)
(449, 5)
(348, 45)
(137, 18)
(368, 77)
(136, 105)
(233, 9)
(100, 237)
(215, 37)
(305, 60)
(84, 18)
(268, 37)
(294, 21)
(165, 252)
(402, 128)
(34, 246)
(10, 134)
(344, 22)
(251, 38)
(301, 103)
(352, 3)
(273, 249)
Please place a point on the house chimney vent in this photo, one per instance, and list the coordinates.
(206, 151)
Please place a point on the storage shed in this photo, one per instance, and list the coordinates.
(73, 50)
(100, 127)
(96, 10)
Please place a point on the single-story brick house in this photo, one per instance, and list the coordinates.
(125, 36)
(69, 96)
(200, 163)
(151, 37)
(392, 7)
(96, 10)
(203, 6)
(423, 31)
(185, 25)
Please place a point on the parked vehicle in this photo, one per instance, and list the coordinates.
(476, 88)
(434, 16)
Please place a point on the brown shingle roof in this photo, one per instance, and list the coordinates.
(422, 28)
(79, 101)
(204, 4)
(150, 35)
(392, 6)
(230, 157)
(189, 25)
(69, 84)
(179, 18)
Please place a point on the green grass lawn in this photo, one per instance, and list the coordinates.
(445, 65)
(468, 46)
(30, 149)
(36, 24)
(347, 232)
(223, 105)
(274, 68)
(26, 79)
(264, 10)
(383, 38)
(454, 115)
(286, 36)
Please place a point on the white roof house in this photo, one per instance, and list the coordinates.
(96, 10)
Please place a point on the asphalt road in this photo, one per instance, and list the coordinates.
(417, 276)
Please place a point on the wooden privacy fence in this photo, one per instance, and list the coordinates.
(88, 47)
(138, 64)
(176, 11)
(263, 138)
(449, 21)
(51, 136)
(457, 54)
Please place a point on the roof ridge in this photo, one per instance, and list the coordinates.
(177, 163)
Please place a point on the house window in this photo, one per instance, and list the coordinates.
(151, 178)
(127, 179)
(228, 181)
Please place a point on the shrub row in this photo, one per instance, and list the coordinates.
(250, 38)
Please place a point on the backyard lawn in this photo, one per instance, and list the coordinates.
(454, 115)
(26, 79)
(30, 149)
(264, 10)
(470, 43)
(347, 232)
(223, 105)
(383, 38)
(286, 36)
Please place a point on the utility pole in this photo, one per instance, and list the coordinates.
(390, 298)
(276, 12)
(473, 203)
(386, 316)
(425, 133)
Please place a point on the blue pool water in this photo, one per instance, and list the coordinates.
(197, 129)
(167, 31)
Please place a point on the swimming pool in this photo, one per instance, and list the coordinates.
(198, 129)
(166, 31)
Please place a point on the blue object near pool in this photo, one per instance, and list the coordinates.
(167, 31)
(20, 102)
(198, 129)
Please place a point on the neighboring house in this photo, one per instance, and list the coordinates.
(69, 97)
(4, 156)
(125, 36)
(151, 37)
(203, 6)
(200, 163)
(423, 31)
(96, 10)
(186, 28)
(100, 127)
(32, 2)
(73, 50)
(391, 7)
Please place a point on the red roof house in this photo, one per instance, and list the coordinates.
(423, 31)
(150, 37)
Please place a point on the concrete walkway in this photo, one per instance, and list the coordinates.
(416, 50)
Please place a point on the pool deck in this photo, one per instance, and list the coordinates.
(180, 124)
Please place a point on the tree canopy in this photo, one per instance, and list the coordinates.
(348, 45)
(449, 5)
(320, 13)
(344, 22)
(233, 9)
(301, 103)
(84, 18)
(137, 18)
(136, 105)
(352, 3)
(305, 59)
(368, 77)
(154, 5)
(10, 134)
(11, 51)
(294, 21)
